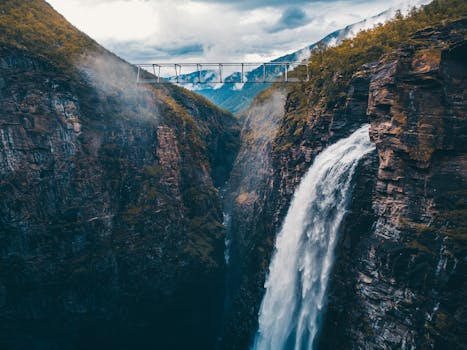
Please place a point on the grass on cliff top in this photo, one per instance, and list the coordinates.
(35, 26)
(331, 68)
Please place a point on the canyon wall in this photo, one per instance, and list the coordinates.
(399, 275)
(110, 215)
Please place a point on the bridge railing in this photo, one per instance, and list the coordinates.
(222, 73)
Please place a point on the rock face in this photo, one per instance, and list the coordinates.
(399, 275)
(409, 273)
(110, 221)
(248, 214)
(275, 153)
(111, 230)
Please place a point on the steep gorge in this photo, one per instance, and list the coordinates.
(110, 220)
(399, 278)
(111, 231)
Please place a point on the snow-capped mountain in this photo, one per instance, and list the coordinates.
(236, 96)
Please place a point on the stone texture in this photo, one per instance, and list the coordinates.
(110, 224)
(415, 295)
(399, 275)
(271, 162)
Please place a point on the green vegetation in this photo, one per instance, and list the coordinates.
(206, 136)
(35, 26)
(415, 245)
(203, 233)
(332, 68)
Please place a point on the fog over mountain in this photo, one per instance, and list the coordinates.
(325, 214)
(237, 96)
(225, 31)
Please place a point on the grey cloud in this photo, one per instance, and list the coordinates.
(239, 4)
(190, 49)
(138, 51)
(292, 17)
(257, 3)
(251, 4)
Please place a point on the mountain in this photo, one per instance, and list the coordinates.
(237, 96)
(398, 274)
(141, 217)
(110, 215)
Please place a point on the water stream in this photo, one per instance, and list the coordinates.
(299, 272)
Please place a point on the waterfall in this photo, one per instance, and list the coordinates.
(301, 264)
(227, 240)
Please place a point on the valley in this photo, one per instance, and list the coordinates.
(325, 214)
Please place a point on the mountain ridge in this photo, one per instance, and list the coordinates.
(235, 97)
(110, 213)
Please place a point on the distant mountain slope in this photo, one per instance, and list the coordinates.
(235, 97)
(111, 231)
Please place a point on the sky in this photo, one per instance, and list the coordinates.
(150, 31)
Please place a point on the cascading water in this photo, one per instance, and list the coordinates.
(301, 265)
(227, 241)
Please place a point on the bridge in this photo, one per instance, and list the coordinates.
(222, 73)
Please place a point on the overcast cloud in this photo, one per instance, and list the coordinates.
(292, 17)
(214, 30)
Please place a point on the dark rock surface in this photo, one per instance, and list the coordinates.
(271, 162)
(410, 287)
(111, 231)
(399, 277)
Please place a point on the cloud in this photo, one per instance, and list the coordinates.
(139, 51)
(184, 50)
(240, 4)
(214, 30)
(252, 4)
(292, 17)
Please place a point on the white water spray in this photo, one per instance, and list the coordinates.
(301, 265)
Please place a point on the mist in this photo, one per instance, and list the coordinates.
(114, 81)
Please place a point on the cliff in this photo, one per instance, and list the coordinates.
(409, 286)
(399, 275)
(110, 205)
(110, 220)
(271, 167)
(402, 286)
